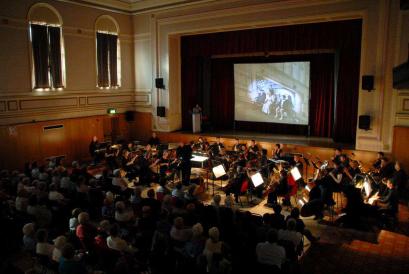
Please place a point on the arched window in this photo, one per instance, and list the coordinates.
(47, 47)
(108, 53)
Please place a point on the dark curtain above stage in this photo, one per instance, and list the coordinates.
(326, 118)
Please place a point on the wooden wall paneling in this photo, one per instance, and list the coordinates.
(141, 127)
(400, 147)
(27, 146)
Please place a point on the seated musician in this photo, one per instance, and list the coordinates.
(236, 146)
(377, 163)
(300, 166)
(217, 147)
(235, 183)
(200, 144)
(163, 164)
(154, 140)
(131, 147)
(354, 208)
(389, 202)
(386, 169)
(315, 203)
(279, 189)
(401, 179)
(343, 161)
(277, 151)
(351, 170)
(252, 150)
(337, 156)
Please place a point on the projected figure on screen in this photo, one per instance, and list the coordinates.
(267, 103)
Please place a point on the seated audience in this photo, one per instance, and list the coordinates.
(269, 252)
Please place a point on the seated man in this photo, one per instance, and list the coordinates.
(154, 140)
(269, 252)
(389, 202)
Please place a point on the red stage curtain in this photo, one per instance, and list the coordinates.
(322, 95)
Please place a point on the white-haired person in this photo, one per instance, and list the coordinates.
(194, 247)
(214, 248)
(29, 241)
(59, 244)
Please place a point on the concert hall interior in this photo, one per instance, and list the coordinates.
(207, 136)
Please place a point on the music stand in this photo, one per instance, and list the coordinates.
(257, 179)
(295, 173)
(307, 164)
(218, 172)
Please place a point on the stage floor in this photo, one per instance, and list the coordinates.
(273, 138)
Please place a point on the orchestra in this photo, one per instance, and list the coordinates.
(377, 187)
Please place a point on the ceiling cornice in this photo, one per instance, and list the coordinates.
(134, 6)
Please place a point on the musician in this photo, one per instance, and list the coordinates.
(131, 147)
(280, 189)
(252, 150)
(154, 140)
(343, 161)
(235, 183)
(93, 146)
(200, 144)
(300, 166)
(377, 163)
(277, 151)
(389, 202)
(386, 169)
(315, 203)
(163, 163)
(337, 156)
(217, 147)
(352, 170)
(184, 153)
(400, 178)
(236, 146)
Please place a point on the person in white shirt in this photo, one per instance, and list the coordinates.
(114, 241)
(43, 247)
(269, 252)
(54, 195)
(290, 234)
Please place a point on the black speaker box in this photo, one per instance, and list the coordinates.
(368, 82)
(159, 83)
(404, 4)
(129, 116)
(364, 122)
(161, 111)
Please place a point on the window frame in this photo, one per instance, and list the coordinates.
(44, 22)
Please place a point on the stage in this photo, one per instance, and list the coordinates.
(322, 148)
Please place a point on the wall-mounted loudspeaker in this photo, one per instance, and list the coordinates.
(364, 122)
(129, 116)
(161, 111)
(159, 83)
(368, 82)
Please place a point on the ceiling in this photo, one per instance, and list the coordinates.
(134, 6)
